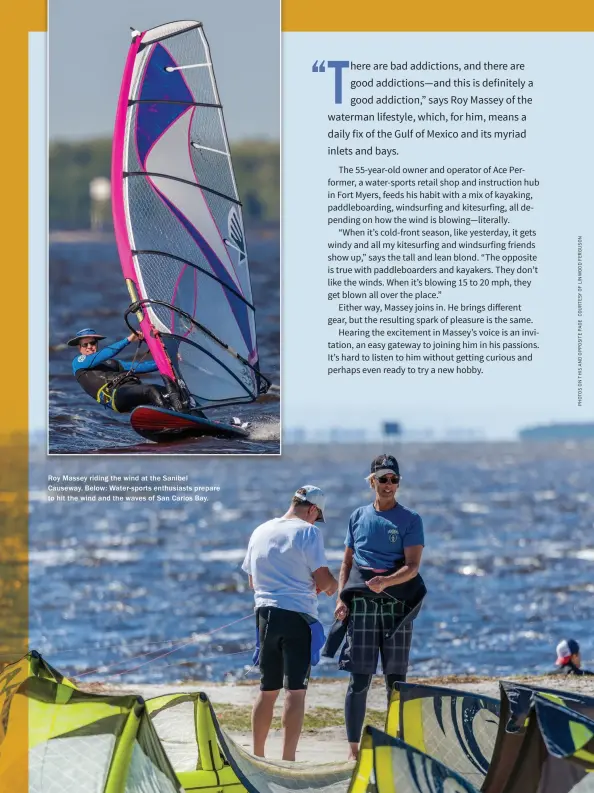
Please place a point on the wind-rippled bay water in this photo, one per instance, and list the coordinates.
(508, 562)
(87, 289)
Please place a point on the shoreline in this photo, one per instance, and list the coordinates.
(323, 739)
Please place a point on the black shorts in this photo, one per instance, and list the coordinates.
(285, 649)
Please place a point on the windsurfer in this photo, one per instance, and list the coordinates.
(379, 583)
(286, 564)
(114, 383)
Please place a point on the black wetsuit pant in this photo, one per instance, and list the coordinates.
(356, 702)
(130, 395)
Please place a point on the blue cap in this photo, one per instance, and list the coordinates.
(82, 334)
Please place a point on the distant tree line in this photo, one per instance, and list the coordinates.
(72, 166)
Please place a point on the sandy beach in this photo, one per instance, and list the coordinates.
(323, 739)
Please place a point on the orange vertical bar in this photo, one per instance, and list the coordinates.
(18, 20)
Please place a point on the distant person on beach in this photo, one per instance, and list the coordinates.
(569, 659)
(287, 567)
(379, 584)
(114, 383)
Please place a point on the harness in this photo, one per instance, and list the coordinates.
(106, 394)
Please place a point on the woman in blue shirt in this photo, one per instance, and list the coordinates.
(379, 584)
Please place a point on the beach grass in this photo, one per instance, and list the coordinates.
(238, 719)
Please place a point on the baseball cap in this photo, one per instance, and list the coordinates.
(565, 649)
(384, 464)
(314, 495)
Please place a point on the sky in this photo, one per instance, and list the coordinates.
(89, 41)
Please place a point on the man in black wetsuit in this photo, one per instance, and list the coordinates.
(100, 375)
(569, 660)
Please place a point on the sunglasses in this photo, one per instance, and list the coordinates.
(392, 480)
(88, 344)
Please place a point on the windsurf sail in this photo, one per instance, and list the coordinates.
(178, 220)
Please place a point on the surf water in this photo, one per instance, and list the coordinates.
(508, 562)
(86, 289)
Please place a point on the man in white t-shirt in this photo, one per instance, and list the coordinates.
(287, 567)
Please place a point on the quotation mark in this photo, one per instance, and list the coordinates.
(338, 66)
